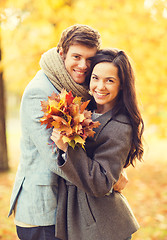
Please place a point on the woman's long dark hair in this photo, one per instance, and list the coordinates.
(126, 101)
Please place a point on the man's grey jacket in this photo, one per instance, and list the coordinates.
(35, 188)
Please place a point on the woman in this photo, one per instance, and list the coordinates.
(88, 209)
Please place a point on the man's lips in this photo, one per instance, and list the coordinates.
(80, 72)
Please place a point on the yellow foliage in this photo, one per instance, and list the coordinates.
(135, 26)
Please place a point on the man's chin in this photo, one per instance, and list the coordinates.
(79, 80)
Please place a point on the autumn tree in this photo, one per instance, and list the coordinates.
(138, 27)
(22, 21)
(3, 145)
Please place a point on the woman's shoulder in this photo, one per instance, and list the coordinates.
(122, 118)
(119, 127)
(111, 125)
(120, 124)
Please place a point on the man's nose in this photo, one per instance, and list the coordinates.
(83, 64)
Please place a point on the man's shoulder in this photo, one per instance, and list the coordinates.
(41, 82)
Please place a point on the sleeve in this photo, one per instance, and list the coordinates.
(97, 175)
(39, 135)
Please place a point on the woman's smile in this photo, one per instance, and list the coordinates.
(101, 94)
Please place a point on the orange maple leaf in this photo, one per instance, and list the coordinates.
(68, 115)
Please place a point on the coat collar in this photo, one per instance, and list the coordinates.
(105, 118)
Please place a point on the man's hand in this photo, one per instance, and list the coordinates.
(121, 183)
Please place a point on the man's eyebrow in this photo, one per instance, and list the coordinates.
(76, 54)
(80, 55)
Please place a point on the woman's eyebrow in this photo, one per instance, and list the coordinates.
(94, 74)
(111, 77)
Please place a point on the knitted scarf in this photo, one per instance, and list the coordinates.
(54, 68)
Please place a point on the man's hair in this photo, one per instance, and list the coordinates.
(79, 34)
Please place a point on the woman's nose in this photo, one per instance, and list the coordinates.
(101, 85)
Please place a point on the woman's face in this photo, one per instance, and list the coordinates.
(105, 85)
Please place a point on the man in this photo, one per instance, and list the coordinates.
(34, 197)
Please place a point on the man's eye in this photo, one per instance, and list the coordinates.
(89, 61)
(76, 57)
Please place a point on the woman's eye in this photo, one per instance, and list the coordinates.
(110, 81)
(94, 78)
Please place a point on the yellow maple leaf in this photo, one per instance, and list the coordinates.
(68, 115)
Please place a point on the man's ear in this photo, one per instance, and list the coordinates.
(61, 51)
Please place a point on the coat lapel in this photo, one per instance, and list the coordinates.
(103, 119)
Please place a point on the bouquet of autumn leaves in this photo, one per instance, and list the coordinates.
(68, 114)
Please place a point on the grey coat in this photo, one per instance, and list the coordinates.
(85, 212)
(35, 188)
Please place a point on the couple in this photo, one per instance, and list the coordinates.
(79, 202)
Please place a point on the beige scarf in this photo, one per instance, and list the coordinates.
(53, 66)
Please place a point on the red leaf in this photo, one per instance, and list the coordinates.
(84, 105)
(68, 114)
(69, 98)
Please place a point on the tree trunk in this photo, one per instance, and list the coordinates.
(3, 145)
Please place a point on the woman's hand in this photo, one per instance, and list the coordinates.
(121, 183)
(57, 138)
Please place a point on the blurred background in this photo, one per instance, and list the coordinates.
(30, 27)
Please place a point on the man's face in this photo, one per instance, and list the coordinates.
(77, 61)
